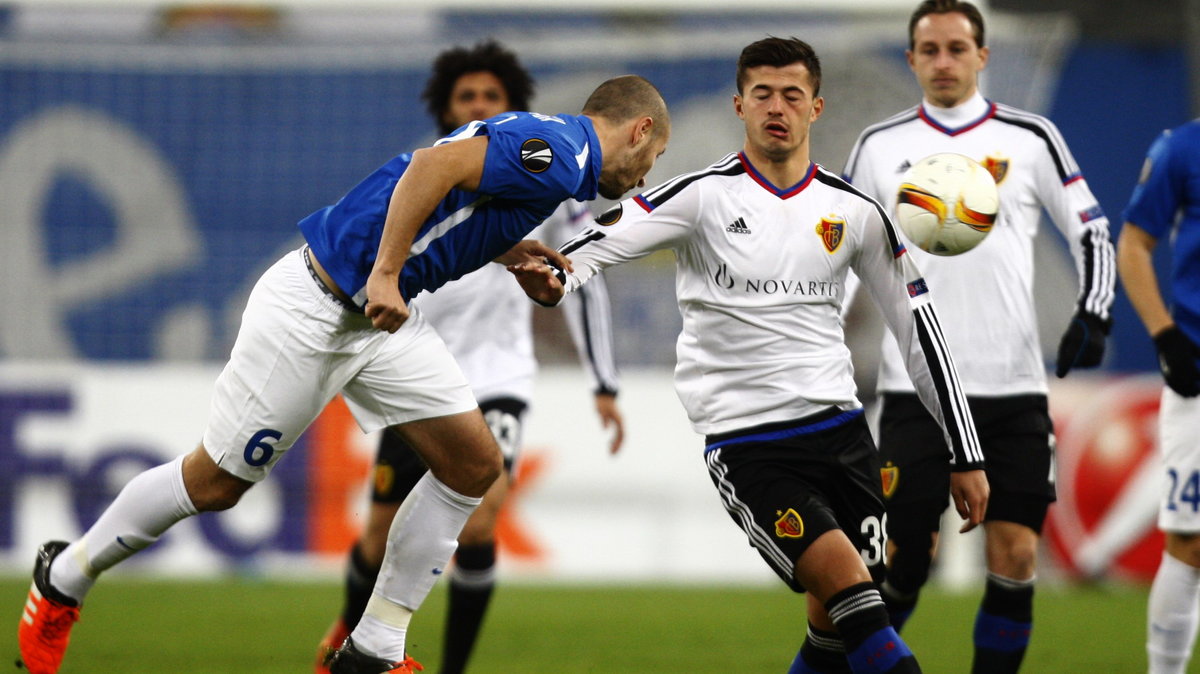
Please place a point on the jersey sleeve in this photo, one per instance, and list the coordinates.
(531, 158)
(628, 231)
(1066, 196)
(857, 170)
(588, 312)
(891, 277)
(1159, 193)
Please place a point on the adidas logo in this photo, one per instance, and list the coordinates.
(904, 166)
(738, 227)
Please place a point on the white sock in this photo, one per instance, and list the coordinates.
(148, 505)
(421, 542)
(1174, 613)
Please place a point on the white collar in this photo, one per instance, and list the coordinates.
(960, 115)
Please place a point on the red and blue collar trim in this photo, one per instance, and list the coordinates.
(988, 114)
(782, 193)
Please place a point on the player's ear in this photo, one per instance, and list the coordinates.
(642, 129)
(737, 106)
(818, 107)
(984, 52)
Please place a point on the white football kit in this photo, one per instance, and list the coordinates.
(992, 322)
(485, 320)
(760, 275)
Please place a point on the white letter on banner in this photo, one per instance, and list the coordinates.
(155, 231)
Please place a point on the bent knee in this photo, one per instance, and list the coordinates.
(1185, 547)
(218, 496)
(210, 487)
(1018, 562)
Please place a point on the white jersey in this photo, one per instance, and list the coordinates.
(485, 320)
(985, 296)
(760, 275)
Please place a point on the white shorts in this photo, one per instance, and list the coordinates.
(297, 348)
(1179, 437)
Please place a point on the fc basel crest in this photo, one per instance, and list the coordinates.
(789, 524)
(536, 155)
(889, 475)
(611, 217)
(831, 229)
(997, 166)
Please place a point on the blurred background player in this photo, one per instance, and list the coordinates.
(763, 241)
(485, 320)
(1169, 186)
(985, 300)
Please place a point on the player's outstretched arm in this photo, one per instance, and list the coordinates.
(532, 250)
(970, 491)
(539, 281)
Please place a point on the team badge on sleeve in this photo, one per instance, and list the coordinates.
(789, 524)
(1093, 213)
(831, 229)
(997, 166)
(889, 477)
(536, 155)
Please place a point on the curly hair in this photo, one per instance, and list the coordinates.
(489, 56)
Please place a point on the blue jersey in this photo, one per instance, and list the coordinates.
(534, 162)
(1169, 191)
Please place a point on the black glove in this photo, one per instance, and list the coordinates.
(1082, 344)
(1177, 359)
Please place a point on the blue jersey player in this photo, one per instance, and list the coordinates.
(1166, 205)
(333, 318)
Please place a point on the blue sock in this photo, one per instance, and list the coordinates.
(1003, 625)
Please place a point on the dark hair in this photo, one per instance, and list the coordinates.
(623, 98)
(487, 56)
(947, 7)
(779, 52)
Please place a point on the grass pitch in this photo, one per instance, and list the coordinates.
(264, 627)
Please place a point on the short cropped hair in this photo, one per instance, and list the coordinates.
(487, 56)
(623, 98)
(779, 52)
(947, 7)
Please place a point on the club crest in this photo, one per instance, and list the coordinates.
(889, 476)
(998, 167)
(789, 524)
(536, 155)
(831, 230)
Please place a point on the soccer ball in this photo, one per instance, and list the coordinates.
(947, 203)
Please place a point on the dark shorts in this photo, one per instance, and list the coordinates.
(398, 467)
(1017, 438)
(786, 484)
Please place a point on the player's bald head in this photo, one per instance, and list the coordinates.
(629, 97)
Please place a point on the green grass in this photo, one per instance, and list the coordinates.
(244, 626)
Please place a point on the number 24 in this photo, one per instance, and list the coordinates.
(1188, 492)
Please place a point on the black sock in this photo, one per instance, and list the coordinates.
(872, 645)
(821, 653)
(360, 581)
(471, 587)
(908, 569)
(900, 606)
(1003, 625)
